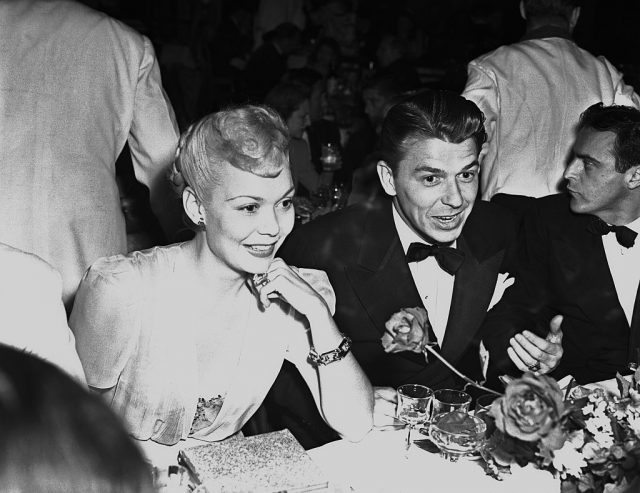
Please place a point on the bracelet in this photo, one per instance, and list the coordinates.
(330, 356)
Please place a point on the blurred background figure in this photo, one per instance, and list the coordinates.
(532, 93)
(58, 438)
(272, 13)
(75, 87)
(291, 101)
(269, 62)
(32, 317)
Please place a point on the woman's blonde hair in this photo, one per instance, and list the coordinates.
(250, 137)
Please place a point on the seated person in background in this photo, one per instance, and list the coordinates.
(580, 259)
(58, 438)
(187, 339)
(33, 316)
(291, 101)
(379, 93)
(432, 245)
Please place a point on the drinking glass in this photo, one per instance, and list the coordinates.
(457, 433)
(413, 406)
(483, 404)
(447, 400)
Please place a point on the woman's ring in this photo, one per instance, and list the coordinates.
(534, 367)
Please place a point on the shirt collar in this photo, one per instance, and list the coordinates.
(547, 32)
(634, 225)
(405, 233)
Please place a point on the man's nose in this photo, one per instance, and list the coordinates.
(453, 197)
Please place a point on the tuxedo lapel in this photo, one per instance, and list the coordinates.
(473, 286)
(382, 279)
(634, 333)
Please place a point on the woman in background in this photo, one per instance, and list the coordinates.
(186, 340)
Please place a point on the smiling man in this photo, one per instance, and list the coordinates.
(432, 245)
(581, 255)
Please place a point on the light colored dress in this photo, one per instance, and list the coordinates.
(32, 317)
(135, 332)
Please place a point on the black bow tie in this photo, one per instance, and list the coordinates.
(449, 259)
(625, 236)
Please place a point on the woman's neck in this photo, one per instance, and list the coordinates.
(214, 276)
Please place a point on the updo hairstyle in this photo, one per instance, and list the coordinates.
(250, 137)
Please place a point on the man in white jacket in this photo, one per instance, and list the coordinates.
(75, 86)
(532, 94)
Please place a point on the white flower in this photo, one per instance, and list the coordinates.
(568, 459)
(605, 440)
(600, 427)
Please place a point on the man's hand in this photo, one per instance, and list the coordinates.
(532, 353)
(384, 410)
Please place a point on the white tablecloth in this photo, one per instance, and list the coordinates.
(379, 464)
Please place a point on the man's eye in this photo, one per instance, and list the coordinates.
(467, 176)
(430, 180)
(286, 203)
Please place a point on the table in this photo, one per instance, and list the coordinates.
(379, 464)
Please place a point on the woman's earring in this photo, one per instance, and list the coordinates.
(201, 222)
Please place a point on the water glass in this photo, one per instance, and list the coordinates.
(447, 400)
(413, 405)
(483, 403)
(457, 433)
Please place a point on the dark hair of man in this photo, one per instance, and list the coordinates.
(550, 9)
(624, 122)
(443, 115)
(59, 438)
(387, 85)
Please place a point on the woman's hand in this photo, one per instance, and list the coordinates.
(285, 283)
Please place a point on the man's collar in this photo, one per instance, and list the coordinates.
(405, 233)
(547, 32)
(634, 225)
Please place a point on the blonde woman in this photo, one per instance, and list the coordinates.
(186, 340)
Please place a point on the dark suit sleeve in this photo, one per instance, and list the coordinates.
(526, 304)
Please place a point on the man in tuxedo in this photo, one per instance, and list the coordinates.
(580, 256)
(431, 245)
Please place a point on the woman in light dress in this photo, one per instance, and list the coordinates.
(186, 340)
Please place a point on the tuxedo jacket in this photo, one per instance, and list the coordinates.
(564, 270)
(360, 250)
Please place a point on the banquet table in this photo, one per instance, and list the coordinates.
(380, 463)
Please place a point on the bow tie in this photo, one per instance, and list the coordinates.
(449, 259)
(625, 236)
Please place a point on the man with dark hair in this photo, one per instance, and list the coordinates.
(580, 258)
(432, 246)
(532, 93)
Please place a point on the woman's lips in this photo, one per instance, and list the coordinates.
(261, 251)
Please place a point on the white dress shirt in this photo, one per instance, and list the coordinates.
(434, 285)
(624, 264)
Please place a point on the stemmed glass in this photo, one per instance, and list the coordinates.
(413, 406)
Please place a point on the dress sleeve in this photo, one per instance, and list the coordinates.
(105, 320)
(319, 281)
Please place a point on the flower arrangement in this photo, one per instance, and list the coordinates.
(592, 443)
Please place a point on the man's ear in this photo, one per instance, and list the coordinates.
(523, 12)
(192, 206)
(633, 177)
(573, 20)
(386, 178)
(484, 150)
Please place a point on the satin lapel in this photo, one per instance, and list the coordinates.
(581, 259)
(382, 280)
(634, 336)
(472, 291)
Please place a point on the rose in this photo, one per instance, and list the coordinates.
(406, 330)
(531, 410)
